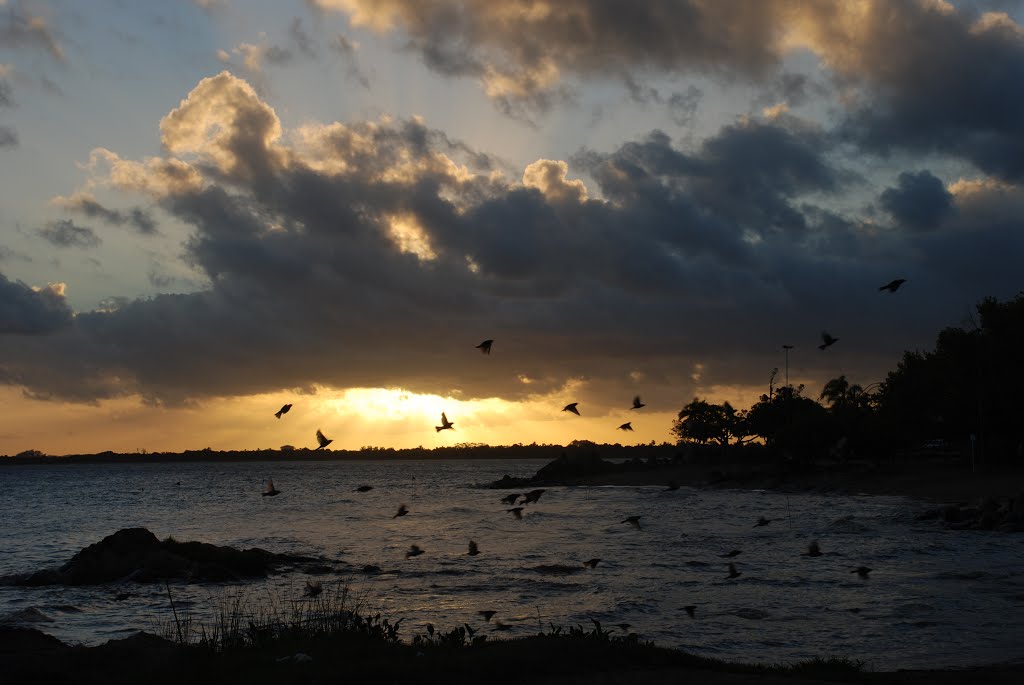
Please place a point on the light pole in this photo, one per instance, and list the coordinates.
(787, 348)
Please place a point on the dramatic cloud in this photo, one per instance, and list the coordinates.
(30, 311)
(65, 233)
(920, 201)
(378, 254)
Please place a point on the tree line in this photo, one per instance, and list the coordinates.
(964, 396)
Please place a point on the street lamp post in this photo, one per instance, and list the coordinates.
(787, 348)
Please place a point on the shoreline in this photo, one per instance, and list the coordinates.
(577, 658)
(932, 483)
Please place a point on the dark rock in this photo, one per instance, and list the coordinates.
(135, 554)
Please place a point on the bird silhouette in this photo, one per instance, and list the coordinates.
(532, 496)
(637, 403)
(812, 550)
(762, 522)
(414, 551)
(487, 614)
(893, 285)
(313, 588)
(624, 627)
(672, 485)
(363, 488)
(633, 521)
(591, 563)
(402, 511)
(827, 341)
(511, 499)
(690, 609)
(628, 426)
(282, 410)
(572, 407)
(517, 512)
(485, 346)
(861, 571)
(473, 549)
(322, 439)
(270, 490)
(445, 424)
(732, 554)
(733, 573)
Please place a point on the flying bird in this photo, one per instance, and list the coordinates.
(861, 571)
(270, 490)
(282, 410)
(532, 496)
(485, 346)
(628, 426)
(510, 499)
(414, 551)
(313, 588)
(827, 341)
(445, 424)
(572, 407)
(893, 285)
(762, 522)
(591, 563)
(363, 488)
(690, 609)
(473, 549)
(812, 550)
(733, 573)
(402, 511)
(633, 521)
(732, 554)
(322, 439)
(517, 512)
(637, 403)
(487, 614)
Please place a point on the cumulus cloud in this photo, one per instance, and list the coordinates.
(377, 254)
(920, 201)
(31, 311)
(65, 233)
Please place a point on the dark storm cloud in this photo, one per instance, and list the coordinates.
(379, 254)
(65, 233)
(920, 201)
(26, 311)
(940, 82)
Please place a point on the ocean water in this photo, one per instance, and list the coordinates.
(936, 597)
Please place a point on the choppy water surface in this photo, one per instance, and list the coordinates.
(936, 597)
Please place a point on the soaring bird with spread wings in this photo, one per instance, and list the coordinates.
(322, 439)
(485, 346)
(445, 424)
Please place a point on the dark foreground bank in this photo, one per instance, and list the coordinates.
(28, 656)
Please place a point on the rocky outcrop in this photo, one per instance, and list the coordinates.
(136, 555)
(991, 513)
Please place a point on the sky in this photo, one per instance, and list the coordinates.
(211, 208)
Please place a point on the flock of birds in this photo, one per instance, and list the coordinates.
(518, 501)
(522, 499)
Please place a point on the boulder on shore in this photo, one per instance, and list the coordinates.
(136, 555)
